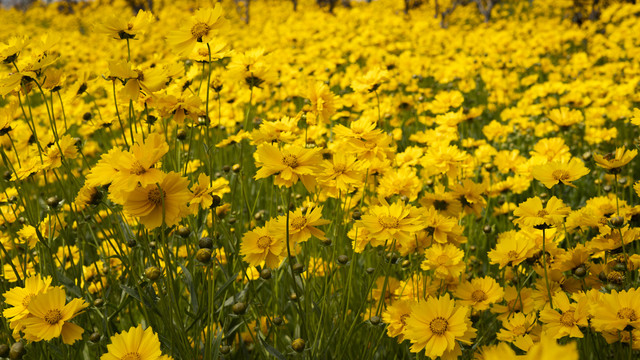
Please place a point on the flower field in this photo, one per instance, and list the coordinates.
(364, 180)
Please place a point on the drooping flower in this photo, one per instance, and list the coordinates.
(612, 162)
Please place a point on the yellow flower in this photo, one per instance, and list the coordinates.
(568, 320)
(437, 325)
(263, 245)
(371, 81)
(548, 348)
(20, 297)
(289, 164)
(615, 160)
(512, 249)
(532, 213)
(167, 200)
(617, 311)
(479, 293)
(118, 28)
(135, 344)
(49, 317)
(556, 172)
(199, 28)
(301, 226)
(388, 222)
(520, 330)
(395, 316)
(445, 260)
(322, 102)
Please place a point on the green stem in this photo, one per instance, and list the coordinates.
(544, 266)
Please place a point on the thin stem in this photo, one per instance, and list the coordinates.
(544, 265)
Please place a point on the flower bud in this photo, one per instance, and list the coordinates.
(298, 345)
(204, 255)
(239, 308)
(152, 273)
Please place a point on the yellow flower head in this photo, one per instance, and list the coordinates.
(135, 344)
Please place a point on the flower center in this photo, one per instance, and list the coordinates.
(442, 259)
(627, 313)
(438, 326)
(199, 30)
(298, 222)
(478, 296)
(512, 255)
(203, 52)
(403, 319)
(560, 175)
(440, 205)
(155, 196)
(519, 330)
(514, 305)
(542, 213)
(131, 356)
(567, 319)
(27, 300)
(53, 316)
(140, 75)
(290, 160)
(264, 242)
(137, 168)
(339, 168)
(388, 222)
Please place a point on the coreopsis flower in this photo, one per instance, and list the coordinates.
(263, 246)
(204, 190)
(532, 213)
(480, 293)
(520, 330)
(217, 47)
(446, 100)
(391, 222)
(181, 106)
(516, 303)
(53, 155)
(50, 315)
(636, 187)
(148, 80)
(19, 298)
(289, 164)
(199, 28)
(443, 229)
(28, 236)
(118, 27)
(566, 318)
(612, 162)
(371, 81)
(403, 181)
(252, 67)
(548, 348)
(322, 102)
(136, 167)
(302, 225)
(284, 130)
(135, 344)
(343, 172)
(565, 117)
(512, 249)
(447, 160)
(618, 311)
(166, 200)
(444, 202)
(551, 149)
(395, 316)
(445, 260)
(437, 325)
(554, 172)
(469, 194)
